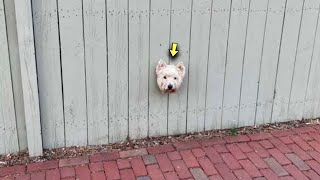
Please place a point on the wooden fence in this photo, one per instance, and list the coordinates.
(82, 72)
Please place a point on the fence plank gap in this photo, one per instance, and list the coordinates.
(73, 71)
(138, 68)
(303, 59)
(8, 130)
(287, 56)
(252, 60)
(312, 97)
(180, 33)
(269, 61)
(46, 30)
(118, 71)
(16, 73)
(199, 47)
(159, 41)
(95, 38)
(236, 45)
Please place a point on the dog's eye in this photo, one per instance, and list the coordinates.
(165, 77)
(175, 77)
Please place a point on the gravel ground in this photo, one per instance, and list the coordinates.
(61, 153)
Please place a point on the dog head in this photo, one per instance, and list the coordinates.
(169, 77)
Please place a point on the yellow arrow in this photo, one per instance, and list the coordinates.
(173, 49)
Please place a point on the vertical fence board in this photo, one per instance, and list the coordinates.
(252, 60)
(117, 26)
(8, 130)
(312, 98)
(95, 39)
(5, 79)
(159, 43)
(29, 76)
(316, 87)
(216, 65)
(199, 47)
(47, 46)
(236, 44)
(180, 33)
(138, 67)
(287, 56)
(73, 71)
(16, 72)
(269, 60)
(303, 59)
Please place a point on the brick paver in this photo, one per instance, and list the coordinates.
(138, 167)
(155, 172)
(266, 144)
(256, 160)
(98, 175)
(198, 152)
(127, 174)
(236, 152)
(83, 172)
(175, 155)
(73, 161)
(67, 172)
(171, 175)
(259, 149)
(230, 161)
(244, 147)
(133, 153)
(95, 167)
(189, 159)
(220, 148)
(212, 141)
(123, 164)
(53, 174)
(207, 166)
(298, 162)
(281, 154)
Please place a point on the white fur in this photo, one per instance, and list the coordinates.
(169, 76)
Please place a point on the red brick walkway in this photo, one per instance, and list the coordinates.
(287, 154)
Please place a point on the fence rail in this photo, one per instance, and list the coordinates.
(82, 72)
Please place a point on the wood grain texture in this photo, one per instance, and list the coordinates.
(303, 59)
(29, 76)
(95, 38)
(117, 26)
(47, 46)
(138, 68)
(216, 64)
(312, 97)
(8, 130)
(10, 15)
(252, 61)
(236, 45)
(287, 56)
(269, 60)
(73, 71)
(159, 43)
(180, 33)
(199, 47)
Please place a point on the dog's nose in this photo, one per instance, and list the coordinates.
(170, 87)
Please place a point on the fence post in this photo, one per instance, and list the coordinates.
(29, 76)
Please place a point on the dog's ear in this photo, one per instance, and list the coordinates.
(181, 69)
(161, 64)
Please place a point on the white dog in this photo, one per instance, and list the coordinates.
(169, 77)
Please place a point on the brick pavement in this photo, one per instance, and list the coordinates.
(283, 154)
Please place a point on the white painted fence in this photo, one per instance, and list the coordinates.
(93, 62)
